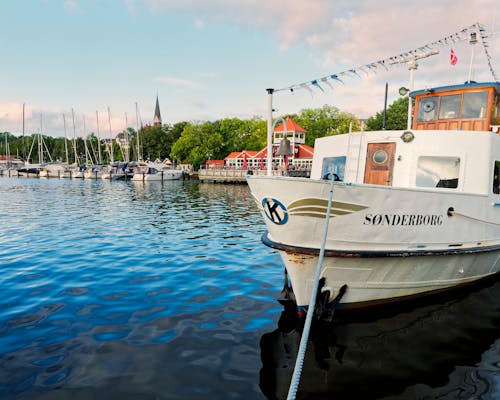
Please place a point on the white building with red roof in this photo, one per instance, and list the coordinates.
(301, 157)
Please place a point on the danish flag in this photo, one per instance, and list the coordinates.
(453, 57)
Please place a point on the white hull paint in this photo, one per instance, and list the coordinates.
(383, 242)
(388, 242)
(382, 279)
(159, 176)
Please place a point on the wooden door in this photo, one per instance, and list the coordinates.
(380, 163)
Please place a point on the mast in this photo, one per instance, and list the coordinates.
(65, 140)
(88, 158)
(472, 42)
(110, 148)
(24, 149)
(98, 138)
(125, 141)
(77, 161)
(411, 60)
(139, 157)
(7, 151)
(40, 143)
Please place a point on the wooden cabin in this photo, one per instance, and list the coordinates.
(468, 107)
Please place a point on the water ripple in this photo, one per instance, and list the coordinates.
(96, 275)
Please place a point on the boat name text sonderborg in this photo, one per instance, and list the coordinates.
(403, 219)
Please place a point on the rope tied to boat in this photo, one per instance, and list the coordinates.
(299, 362)
(451, 212)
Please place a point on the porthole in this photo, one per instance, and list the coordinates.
(380, 157)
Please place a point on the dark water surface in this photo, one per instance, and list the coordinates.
(123, 290)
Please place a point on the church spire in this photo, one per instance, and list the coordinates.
(157, 116)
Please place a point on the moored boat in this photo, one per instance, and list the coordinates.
(94, 172)
(412, 212)
(150, 171)
(117, 171)
(57, 170)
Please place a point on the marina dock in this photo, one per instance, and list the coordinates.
(220, 175)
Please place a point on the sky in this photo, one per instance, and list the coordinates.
(103, 63)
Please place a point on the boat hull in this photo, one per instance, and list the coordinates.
(374, 279)
(386, 244)
(158, 176)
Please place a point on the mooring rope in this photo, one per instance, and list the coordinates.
(299, 362)
(453, 212)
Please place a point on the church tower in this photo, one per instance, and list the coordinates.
(157, 116)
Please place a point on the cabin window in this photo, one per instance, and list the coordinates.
(474, 105)
(496, 180)
(450, 107)
(335, 166)
(441, 172)
(427, 111)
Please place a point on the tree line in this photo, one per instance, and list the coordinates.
(195, 142)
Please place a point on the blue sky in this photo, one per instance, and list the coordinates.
(212, 59)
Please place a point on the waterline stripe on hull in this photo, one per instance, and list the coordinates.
(379, 253)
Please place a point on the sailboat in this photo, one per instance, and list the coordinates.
(36, 169)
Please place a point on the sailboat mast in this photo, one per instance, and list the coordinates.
(125, 146)
(88, 158)
(111, 137)
(40, 143)
(65, 140)
(7, 151)
(98, 138)
(139, 156)
(24, 149)
(77, 161)
(42, 146)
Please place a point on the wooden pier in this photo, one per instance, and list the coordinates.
(220, 175)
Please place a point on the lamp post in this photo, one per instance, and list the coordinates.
(270, 129)
(284, 149)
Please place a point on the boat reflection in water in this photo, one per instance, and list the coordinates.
(426, 351)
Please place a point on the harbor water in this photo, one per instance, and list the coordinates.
(132, 290)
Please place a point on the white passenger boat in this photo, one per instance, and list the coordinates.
(413, 212)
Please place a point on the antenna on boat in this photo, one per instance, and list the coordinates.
(472, 42)
(411, 60)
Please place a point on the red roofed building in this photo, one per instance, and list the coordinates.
(300, 159)
(214, 163)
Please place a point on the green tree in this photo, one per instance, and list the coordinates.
(326, 121)
(198, 143)
(396, 117)
(157, 141)
(256, 139)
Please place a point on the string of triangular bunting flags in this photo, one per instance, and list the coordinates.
(484, 36)
(385, 63)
